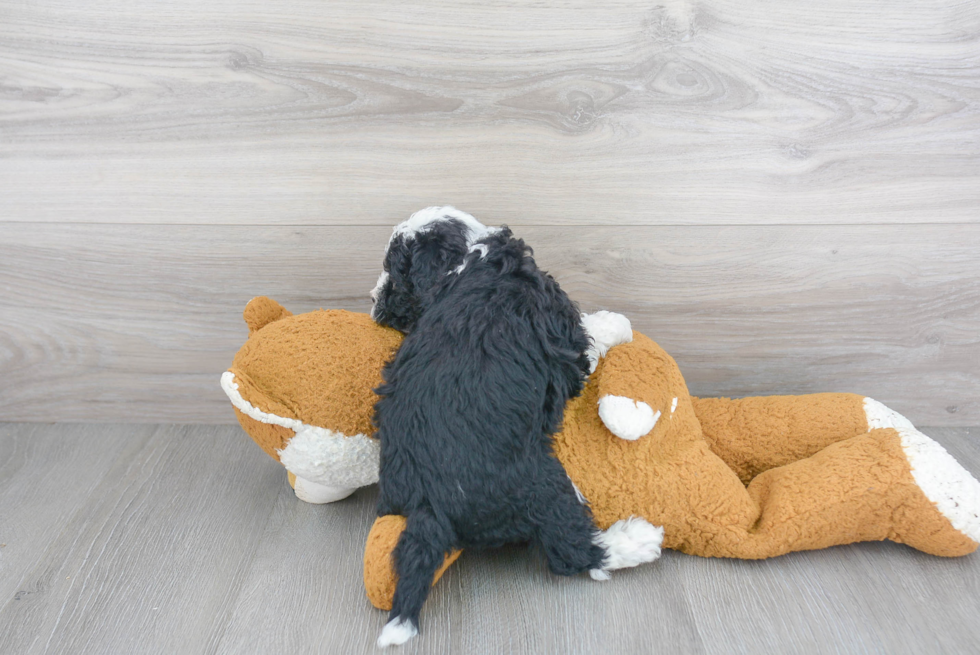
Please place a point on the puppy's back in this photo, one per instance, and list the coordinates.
(477, 389)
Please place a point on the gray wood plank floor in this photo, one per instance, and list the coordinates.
(187, 539)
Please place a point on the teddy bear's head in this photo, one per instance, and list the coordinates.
(303, 388)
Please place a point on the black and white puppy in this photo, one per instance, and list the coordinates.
(494, 349)
(420, 254)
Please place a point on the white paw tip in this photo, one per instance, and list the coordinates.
(396, 632)
(599, 575)
(626, 418)
(630, 542)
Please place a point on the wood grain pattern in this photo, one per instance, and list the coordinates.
(855, 599)
(156, 555)
(354, 113)
(137, 322)
(36, 505)
(187, 539)
(785, 197)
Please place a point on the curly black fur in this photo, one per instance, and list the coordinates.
(416, 264)
(467, 410)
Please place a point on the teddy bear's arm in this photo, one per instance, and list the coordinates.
(639, 385)
(380, 578)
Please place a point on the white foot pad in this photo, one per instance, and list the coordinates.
(626, 418)
(396, 632)
(318, 494)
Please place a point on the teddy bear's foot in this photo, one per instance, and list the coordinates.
(605, 329)
(628, 543)
(316, 494)
(948, 486)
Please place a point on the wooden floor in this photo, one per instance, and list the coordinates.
(783, 195)
(187, 539)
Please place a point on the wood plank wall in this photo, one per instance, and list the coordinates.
(785, 195)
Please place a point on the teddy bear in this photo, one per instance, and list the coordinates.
(746, 478)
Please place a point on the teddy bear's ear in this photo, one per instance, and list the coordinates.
(261, 311)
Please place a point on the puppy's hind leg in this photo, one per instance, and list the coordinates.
(563, 525)
(573, 544)
(421, 549)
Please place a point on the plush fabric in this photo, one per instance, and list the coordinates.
(748, 478)
(766, 476)
(379, 581)
(289, 368)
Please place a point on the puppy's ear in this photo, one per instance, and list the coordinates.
(398, 260)
(395, 301)
(415, 264)
(436, 252)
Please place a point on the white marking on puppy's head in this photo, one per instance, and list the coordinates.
(376, 291)
(481, 248)
(424, 218)
(432, 243)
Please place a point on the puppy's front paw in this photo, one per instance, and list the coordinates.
(626, 418)
(396, 632)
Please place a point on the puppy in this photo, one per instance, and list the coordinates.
(494, 349)
(420, 253)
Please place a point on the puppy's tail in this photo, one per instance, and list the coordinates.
(421, 549)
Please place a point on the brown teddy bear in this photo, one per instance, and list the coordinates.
(748, 478)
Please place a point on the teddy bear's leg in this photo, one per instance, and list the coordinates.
(886, 484)
(947, 485)
(753, 435)
(380, 579)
